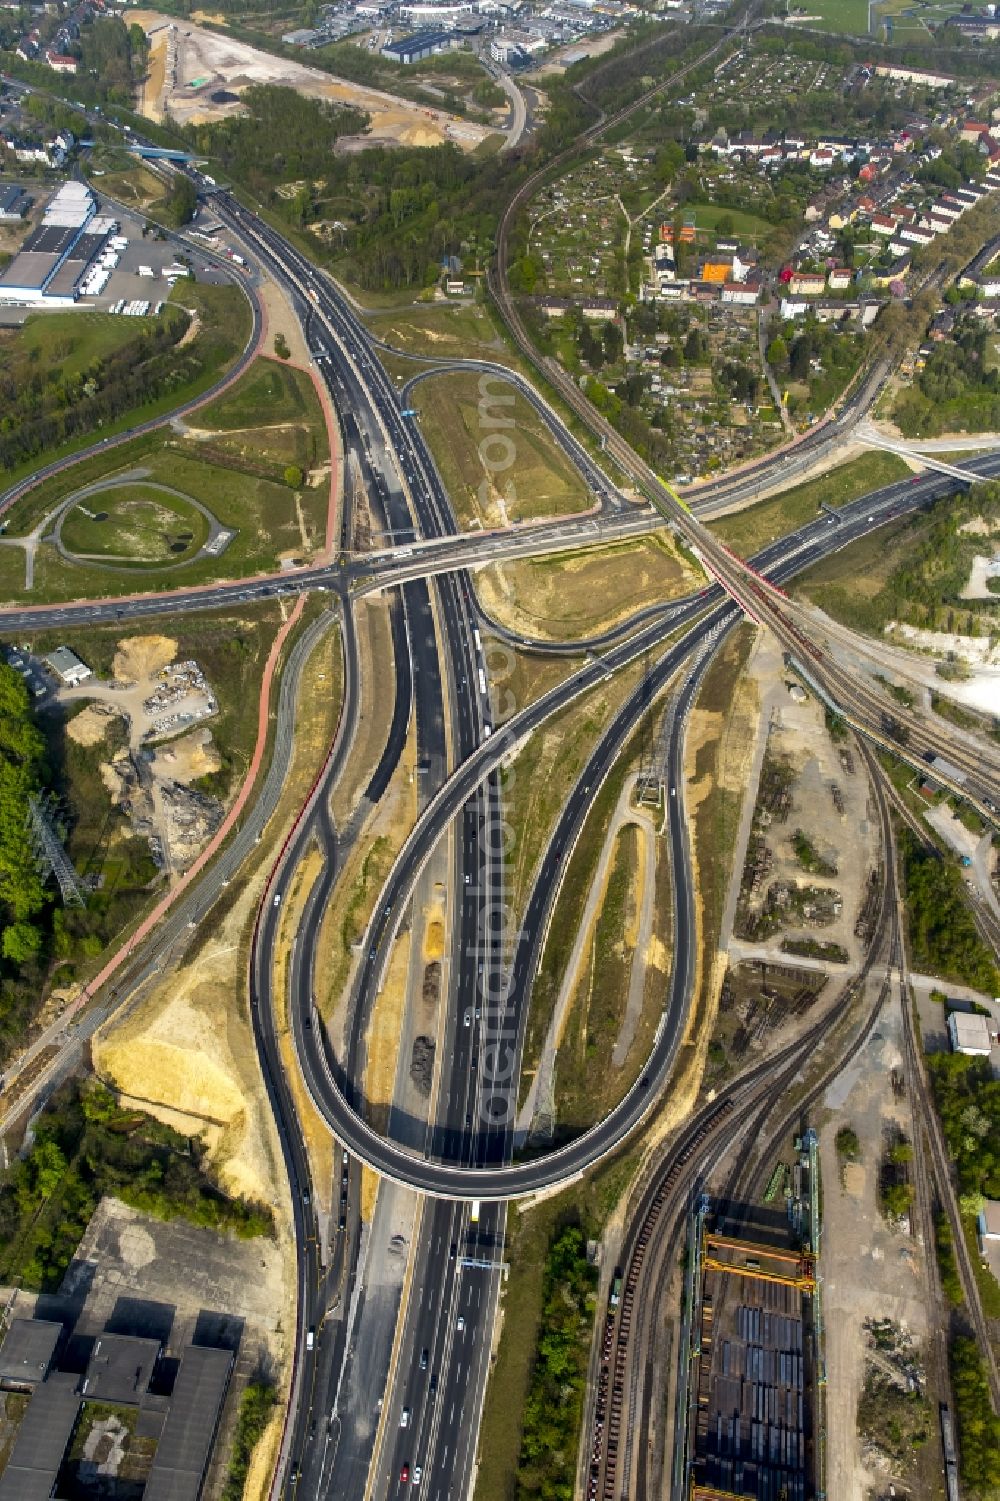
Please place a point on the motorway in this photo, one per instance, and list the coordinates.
(465, 1154)
(494, 1181)
(398, 470)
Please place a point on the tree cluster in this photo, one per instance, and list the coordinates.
(86, 1146)
(968, 1102)
(256, 1406)
(22, 763)
(944, 938)
(44, 407)
(977, 1424)
(282, 136)
(112, 60)
(552, 1412)
(957, 388)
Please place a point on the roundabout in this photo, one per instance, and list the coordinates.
(133, 523)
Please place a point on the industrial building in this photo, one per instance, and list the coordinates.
(27, 1353)
(970, 1033)
(68, 667)
(123, 1371)
(748, 1413)
(49, 267)
(413, 49)
(14, 203)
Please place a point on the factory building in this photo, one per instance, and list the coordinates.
(125, 1373)
(50, 265)
(413, 49)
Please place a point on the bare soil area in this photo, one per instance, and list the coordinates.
(560, 598)
(869, 1268)
(813, 844)
(207, 64)
(281, 320)
(154, 696)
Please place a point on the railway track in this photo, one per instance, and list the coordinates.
(621, 1405)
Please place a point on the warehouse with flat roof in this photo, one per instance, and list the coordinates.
(51, 263)
(27, 1351)
(412, 49)
(185, 1445)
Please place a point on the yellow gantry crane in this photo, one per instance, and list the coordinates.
(801, 1268)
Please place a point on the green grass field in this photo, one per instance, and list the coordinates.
(264, 514)
(495, 456)
(838, 15)
(266, 393)
(60, 345)
(135, 524)
(749, 530)
(440, 329)
(271, 417)
(707, 216)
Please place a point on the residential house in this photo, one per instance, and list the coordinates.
(807, 283)
(740, 292)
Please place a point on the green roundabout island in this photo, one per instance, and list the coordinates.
(134, 523)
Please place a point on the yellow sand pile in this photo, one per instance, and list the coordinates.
(139, 657)
(90, 726)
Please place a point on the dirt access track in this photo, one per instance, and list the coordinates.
(188, 65)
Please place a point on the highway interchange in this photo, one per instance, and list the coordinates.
(356, 1374)
(446, 1333)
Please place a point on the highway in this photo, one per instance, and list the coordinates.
(452, 1179)
(466, 1154)
(400, 471)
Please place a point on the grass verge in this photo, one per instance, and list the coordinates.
(496, 457)
(561, 597)
(749, 530)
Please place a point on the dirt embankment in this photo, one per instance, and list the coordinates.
(187, 1053)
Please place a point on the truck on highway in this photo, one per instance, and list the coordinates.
(474, 1213)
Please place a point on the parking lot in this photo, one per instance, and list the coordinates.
(40, 683)
(143, 270)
